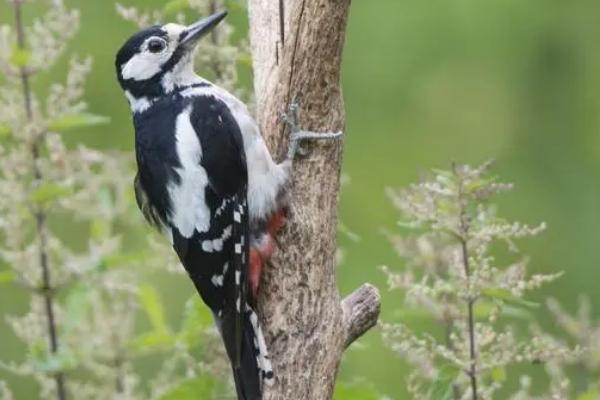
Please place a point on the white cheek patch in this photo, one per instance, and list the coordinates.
(140, 67)
(144, 65)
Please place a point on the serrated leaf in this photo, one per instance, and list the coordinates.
(7, 276)
(176, 6)
(48, 191)
(354, 392)
(153, 307)
(20, 57)
(202, 387)
(75, 121)
(507, 296)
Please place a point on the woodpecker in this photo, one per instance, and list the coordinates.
(207, 181)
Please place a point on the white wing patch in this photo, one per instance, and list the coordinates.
(265, 177)
(209, 245)
(189, 209)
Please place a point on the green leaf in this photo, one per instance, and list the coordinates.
(100, 229)
(75, 121)
(441, 387)
(245, 59)
(7, 276)
(76, 304)
(479, 184)
(176, 6)
(516, 312)
(507, 296)
(56, 362)
(589, 395)
(413, 314)
(498, 374)
(483, 309)
(201, 387)
(20, 57)
(150, 300)
(5, 131)
(196, 318)
(152, 341)
(118, 260)
(47, 192)
(354, 392)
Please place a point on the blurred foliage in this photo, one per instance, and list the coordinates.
(450, 273)
(424, 83)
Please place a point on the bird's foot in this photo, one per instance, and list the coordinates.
(297, 135)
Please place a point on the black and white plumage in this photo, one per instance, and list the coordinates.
(206, 179)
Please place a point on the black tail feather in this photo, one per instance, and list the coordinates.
(248, 377)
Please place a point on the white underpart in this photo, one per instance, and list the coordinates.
(182, 74)
(189, 209)
(265, 177)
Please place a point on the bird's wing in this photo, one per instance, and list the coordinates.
(150, 213)
(216, 259)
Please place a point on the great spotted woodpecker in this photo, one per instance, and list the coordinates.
(206, 179)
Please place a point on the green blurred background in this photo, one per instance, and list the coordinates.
(425, 83)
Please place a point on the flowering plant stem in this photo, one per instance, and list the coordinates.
(464, 236)
(38, 212)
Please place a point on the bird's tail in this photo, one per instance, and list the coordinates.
(255, 368)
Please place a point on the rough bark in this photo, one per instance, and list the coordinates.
(296, 50)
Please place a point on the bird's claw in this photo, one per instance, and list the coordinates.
(297, 135)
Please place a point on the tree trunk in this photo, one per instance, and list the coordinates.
(296, 50)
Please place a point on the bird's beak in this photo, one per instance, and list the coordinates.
(194, 32)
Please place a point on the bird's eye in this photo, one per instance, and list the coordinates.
(156, 45)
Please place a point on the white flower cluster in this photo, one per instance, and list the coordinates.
(70, 236)
(48, 36)
(452, 277)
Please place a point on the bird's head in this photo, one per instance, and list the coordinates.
(156, 60)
